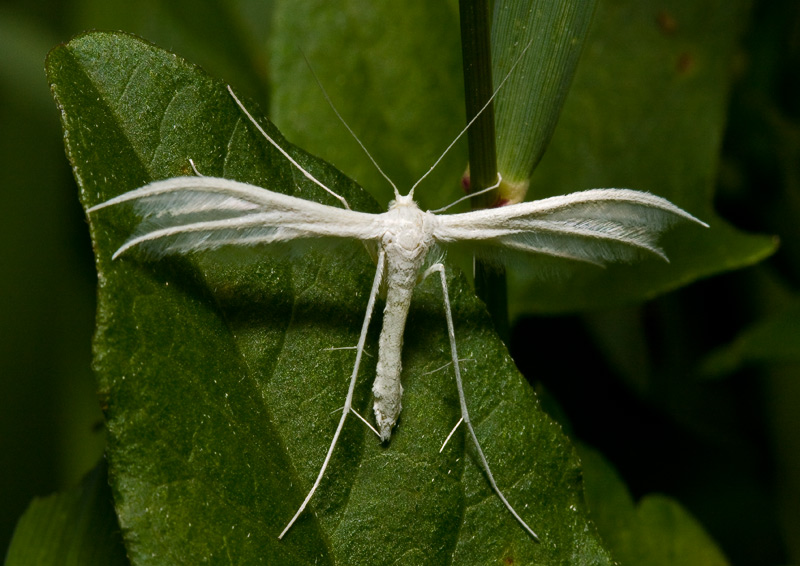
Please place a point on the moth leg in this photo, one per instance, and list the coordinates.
(362, 419)
(462, 399)
(366, 422)
(471, 195)
(348, 402)
(283, 152)
(449, 436)
(194, 168)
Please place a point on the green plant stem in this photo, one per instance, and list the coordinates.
(490, 282)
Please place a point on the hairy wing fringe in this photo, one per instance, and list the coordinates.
(597, 226)
(186, 214)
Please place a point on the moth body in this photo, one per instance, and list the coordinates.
(406, 241)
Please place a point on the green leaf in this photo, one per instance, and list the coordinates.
(646, 111)
(528, 106)
(221, 390)
(73, 528)
(657, 531)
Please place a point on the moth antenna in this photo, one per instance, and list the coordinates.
(349, 129)
(481, 111)
(308, 175)
(470, 195)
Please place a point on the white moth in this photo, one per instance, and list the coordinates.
(202, 213)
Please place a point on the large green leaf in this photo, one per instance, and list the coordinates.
(74, 528)
(220, 388)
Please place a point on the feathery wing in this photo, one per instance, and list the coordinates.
(595, 226)
(185, 214)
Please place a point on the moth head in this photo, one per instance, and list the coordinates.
(402, 201)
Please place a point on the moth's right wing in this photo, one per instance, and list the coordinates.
(596, 226)
(185, 214)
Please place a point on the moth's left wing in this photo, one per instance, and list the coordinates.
(596, 226)
(184, 214)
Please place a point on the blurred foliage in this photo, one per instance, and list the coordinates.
(647, 111)
(629, 380)
(77, 527)
(655, 530)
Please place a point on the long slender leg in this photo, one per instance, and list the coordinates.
(305, 173)
(470, 195)
(348, 403)
(366, 422)
(194, 168)
(462, 399)
(449, 436)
